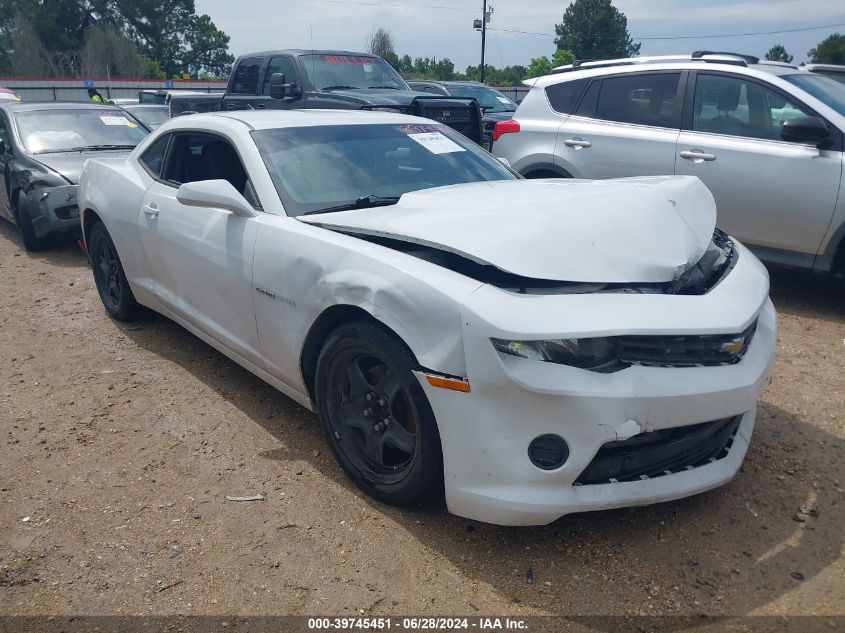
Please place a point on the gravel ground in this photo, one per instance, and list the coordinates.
(120, 442)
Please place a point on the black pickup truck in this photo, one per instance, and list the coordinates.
(306, 79)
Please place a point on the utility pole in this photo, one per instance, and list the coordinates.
(483, 37)
(482, 26)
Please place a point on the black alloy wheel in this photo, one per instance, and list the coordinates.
(375, 414)
(109, 277)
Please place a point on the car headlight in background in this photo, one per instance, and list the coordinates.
(584, 353)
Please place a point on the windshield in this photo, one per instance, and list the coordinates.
(336, 72)
(829, 92)
(151, 116)
(316, 168)
(491, 100)
(44, 131)
(837, 76)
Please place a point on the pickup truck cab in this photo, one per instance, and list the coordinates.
(320, 79)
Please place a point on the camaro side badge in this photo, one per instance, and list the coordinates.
(265, 292)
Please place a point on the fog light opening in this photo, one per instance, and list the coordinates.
(548, 452)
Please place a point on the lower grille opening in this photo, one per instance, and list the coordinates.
(660, 453)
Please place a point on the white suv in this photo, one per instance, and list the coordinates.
(765, 137)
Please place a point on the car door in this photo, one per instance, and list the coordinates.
(201, 258)
(768, 192)
(286, 65)
(5, 157)
(242, 93)
(623, 125)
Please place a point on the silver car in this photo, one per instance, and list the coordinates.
(765, 137)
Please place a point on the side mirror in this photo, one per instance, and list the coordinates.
(504, 161)
(806, 129)
(280, 89)
(215, 194)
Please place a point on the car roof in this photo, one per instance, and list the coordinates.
(305, 51)
(270, 119)
(31, 106)
(668, 63)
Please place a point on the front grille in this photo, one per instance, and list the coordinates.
(660, 453)
(686, 350)
(449, 115)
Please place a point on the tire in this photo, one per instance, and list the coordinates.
(30, 242)
(364, 377)
(109, 277)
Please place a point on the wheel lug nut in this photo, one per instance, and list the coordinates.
(369, 396)
(386, 421)
(378, 427)
(381, 402)
(368, 412)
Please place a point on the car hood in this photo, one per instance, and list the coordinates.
(385, 97)
(69, 164)
(631, 230)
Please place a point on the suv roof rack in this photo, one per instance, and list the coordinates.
(709, 57)
(748, 59)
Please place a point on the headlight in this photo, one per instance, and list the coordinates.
(585, 353)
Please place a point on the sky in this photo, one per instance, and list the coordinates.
(443, 28)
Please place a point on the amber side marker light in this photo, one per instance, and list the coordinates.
(455, 384)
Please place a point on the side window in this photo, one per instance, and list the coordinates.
(197, 156)
(641, 98)
(282, 65)
(153, 158)
(563, 96)
(587, 107)
(4, 133)
(738, 107)
(245, 81)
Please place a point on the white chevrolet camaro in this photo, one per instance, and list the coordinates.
(533, 348)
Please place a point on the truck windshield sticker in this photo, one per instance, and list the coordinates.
(349, 59)
(436, 143)
(116, 120)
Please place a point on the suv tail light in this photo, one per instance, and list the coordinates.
(505, 127)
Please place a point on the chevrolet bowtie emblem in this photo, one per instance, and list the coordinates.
(734, 346)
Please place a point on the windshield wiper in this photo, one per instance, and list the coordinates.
(340, 88)
(387, 87)
(86, 148)
(363, 202)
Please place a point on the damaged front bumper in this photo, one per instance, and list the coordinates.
(52, 209)
(615, 426)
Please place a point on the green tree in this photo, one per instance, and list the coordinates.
(562, 57)
(595, 29)
(539, 66)
(777, 53)
(829, 51)
(380, 42)
(167, 32)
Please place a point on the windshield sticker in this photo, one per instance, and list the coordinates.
(349, 59)
(436, 143)
(115, 120)
(504, 100)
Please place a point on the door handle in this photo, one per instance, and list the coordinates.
(697, 156)
(260, 106)
(577, 143)
(150, 210)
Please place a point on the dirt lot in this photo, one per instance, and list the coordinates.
(119, 444)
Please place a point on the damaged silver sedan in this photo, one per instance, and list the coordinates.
(532, 348)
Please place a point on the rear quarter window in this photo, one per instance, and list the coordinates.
(563, 96)
(153, 158)
(245, 80)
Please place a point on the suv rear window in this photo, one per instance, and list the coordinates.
(641, 99)
(564, 96)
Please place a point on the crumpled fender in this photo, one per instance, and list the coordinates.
(41, 205)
